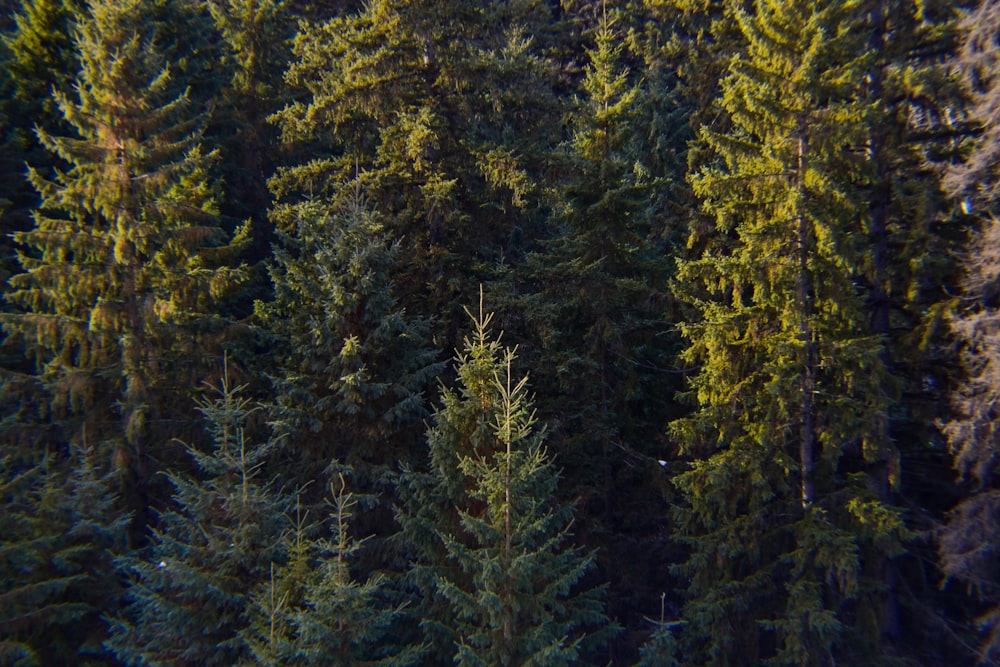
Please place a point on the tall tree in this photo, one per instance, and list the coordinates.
(790, 384)
(968, 542)
(500, 583)
(594, 296)
(125, 269)
(353, 363)
(912, 97)
(188, 593)
(428, 102)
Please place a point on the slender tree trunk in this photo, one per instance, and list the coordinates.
(879, 200)
(807, 434)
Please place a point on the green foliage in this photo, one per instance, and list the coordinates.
(430, 103)
(43, 58)
(125, 269)
(500, 584)
(59, 527)
(256, 35)
(188, 591)
(355, 364)
(789, 379)
(315, 612)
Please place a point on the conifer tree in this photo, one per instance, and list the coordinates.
(429, 103)
(909, 280)
(188, 593)
(257, 36)
(124, 270)
(500, 584)
(58, 530)
(314, 611)
(597, 295)
(354, 365)
(967, 543)
(790, 383)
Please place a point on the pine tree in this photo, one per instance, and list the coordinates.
(59, 527)
(124, 270)
(500, 584)
(188, 594)
(790, 384)
(354, 365)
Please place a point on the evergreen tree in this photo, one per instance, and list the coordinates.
(124, 270)
(315, 612)
(909, 281)
(597, 296)
(428, 102)
(58, 529)
(790, 385)
(967, 544)
(500, 584)
(188, 593)
(257, 36)
(354, 364)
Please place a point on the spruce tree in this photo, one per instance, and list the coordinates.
(58, 530)
(595, 296)
(967, 543)
(429, 103)
(909, 280)
(500, 584)
(354, 364)
(790, 384)
(313, 611)
(188, 593)
(125, 268)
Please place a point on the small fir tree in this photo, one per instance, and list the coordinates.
(500, 584)
(58, 530)
(188, 594)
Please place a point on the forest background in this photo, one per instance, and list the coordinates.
(659, 332)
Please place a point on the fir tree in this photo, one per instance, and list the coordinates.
(789, 382)
(188, 593)
(597, 296)
(316, 612)
(967, 543)
(122, 278)
(59, 527)
(500, 584)
(909, 279)
(354, 363)
(427, 101)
